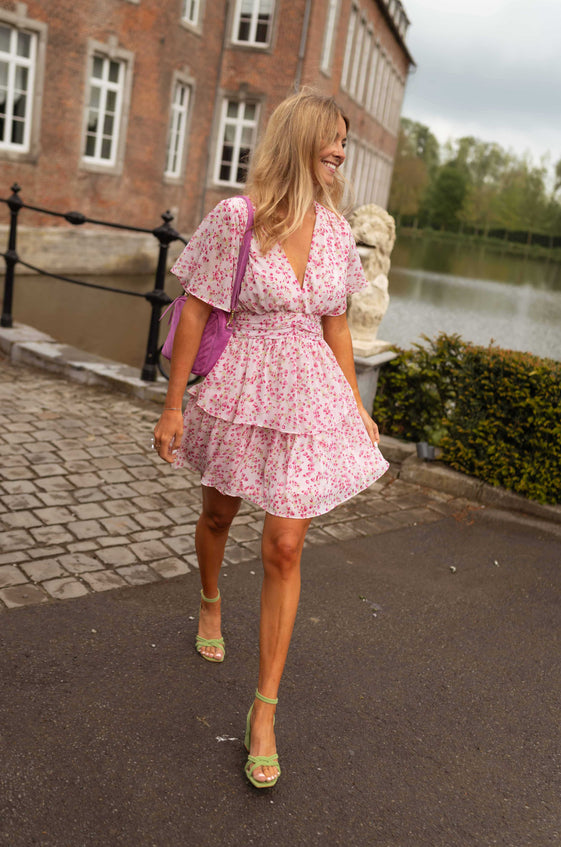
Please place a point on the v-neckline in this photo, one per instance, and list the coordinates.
(288, 262)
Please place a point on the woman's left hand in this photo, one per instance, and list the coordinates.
(371, 427)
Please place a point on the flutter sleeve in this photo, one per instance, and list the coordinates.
(207, 266)
(356, 279)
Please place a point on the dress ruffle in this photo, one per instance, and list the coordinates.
(243, 387)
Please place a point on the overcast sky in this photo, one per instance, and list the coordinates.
(489, 68)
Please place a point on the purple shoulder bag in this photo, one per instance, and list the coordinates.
(218, 329)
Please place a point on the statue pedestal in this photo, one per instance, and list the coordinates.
(367, 372)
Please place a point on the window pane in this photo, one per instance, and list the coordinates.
(2, 127)
(94, 97)
(111, 101)
(227, 153)
(232, 109)
(24, 44)
(106, 148)
(108, 125)
(249, 113)
(17, 132)
(19, 105)
(5, 33)
(114, 71)
(225, 173)
(21, 78)
(97, 68)
(3, 74)
(92, 121)
(90, 145)
(230, 133)
(247, 136)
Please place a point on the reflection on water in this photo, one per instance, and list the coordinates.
(111, 325)
(441, 287)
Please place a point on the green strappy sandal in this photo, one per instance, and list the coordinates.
(254, 762)
(201, 642)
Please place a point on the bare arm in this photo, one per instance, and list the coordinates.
(169, 429)
(337, 335)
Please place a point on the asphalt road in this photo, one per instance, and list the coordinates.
(420, 705)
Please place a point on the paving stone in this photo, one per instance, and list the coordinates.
(16, 502)
(147, 535)
(10, 575)
(79, 466)
(135, 459)
(137, 574)
(22, 595)
(147, 487)
(18, 486)
(48, 469)
(121, 525)
(79, 563)
(88, 511)
(82, 546)
(57, 514)
(45, 552)
(149, 550)
(55, 534)
(120, 507)
(76, 455)
(13, 557)
(65, 589)
(84, 480)
(85, 529)
(181, 529)
(17, 472)
(341, 531)
(19, 520)
(317, 536)
(54, 483)
(43, 569)
(15, 539)
(375, 525)
(181, 545)
(243, 533)
(115, 556)
(170, 567)
(57, 498)
(115, 492)
(103, 580)
(150, 504)
(113, 540)
(89, 495)
(178, 498)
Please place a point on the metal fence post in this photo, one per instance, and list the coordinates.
(158, 298)
(10, 256)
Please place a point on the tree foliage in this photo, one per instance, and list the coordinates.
(475, 184)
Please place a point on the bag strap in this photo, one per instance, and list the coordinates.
(242, 258)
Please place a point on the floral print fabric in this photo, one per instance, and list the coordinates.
(275, 421)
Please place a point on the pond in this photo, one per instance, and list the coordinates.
(434, 287)
(479, 293)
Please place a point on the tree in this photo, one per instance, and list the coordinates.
(447, 195)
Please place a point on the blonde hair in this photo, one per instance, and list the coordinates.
(284, 176)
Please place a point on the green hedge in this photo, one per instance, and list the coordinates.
(495, 413)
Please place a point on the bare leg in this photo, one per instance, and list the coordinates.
(283, 540)
(218, 512)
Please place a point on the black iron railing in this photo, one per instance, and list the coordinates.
(165, 234)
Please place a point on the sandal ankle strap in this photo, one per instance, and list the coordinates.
(210, 599)
(266, 699)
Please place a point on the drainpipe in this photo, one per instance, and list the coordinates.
(303, 40)
(216, 93)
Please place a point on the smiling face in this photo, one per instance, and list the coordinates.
(332, 155)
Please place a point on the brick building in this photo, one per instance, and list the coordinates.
(122, 108)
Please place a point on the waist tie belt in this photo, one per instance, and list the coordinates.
(276, 325)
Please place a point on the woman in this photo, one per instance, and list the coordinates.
(279, 420)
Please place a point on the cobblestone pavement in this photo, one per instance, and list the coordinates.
(86, 506)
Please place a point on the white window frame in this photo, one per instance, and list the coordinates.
(373, 70)
(353, 20)
(329, 37)
(177, 129)
(239, 123)
(367, 47)
(251, 41)
(380, 83)
(13, 62)
(191, 11)
(108, 53)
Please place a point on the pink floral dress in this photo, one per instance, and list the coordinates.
(275, 421)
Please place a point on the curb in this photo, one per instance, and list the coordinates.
(26, 345)
(442, 478)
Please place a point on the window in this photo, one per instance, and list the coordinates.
(252, 22)
(372, 78)
(327, 49)
(191, 11)
(177, 129)
(17, 74)
(104, 111)
(238, 125)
